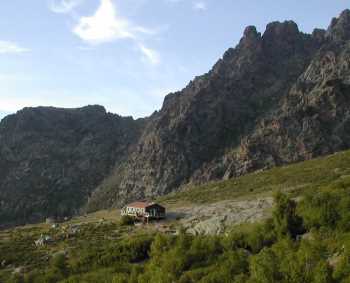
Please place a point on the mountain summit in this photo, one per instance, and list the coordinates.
(339, 28)
(276, 98)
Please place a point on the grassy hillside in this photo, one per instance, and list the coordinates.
(296, 179)
(308, 241)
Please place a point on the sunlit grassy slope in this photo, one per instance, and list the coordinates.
(294, 178)
(103, 248)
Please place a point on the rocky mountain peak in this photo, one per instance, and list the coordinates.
(250, 31)
(282, 30)
(281, 39)
(250, 36)
(339, 28)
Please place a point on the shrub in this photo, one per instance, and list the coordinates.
(127, 220)
(264, 267)
(262, 235)
(59, 263)
(285, 219)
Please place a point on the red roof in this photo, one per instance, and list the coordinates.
(139, 204)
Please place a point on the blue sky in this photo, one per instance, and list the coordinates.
(126, 54)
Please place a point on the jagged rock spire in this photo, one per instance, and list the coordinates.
(339, 28)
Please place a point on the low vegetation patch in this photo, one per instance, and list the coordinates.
(296, 179)
(126, 220)
(304, 241)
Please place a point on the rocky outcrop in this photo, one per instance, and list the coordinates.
(339, 29)
(215, 218)
(52, 159)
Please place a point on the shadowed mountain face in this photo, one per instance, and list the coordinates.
(52, 159)
(276, 98)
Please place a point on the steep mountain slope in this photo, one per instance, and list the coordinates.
(196, 134)
(276, 98)
(51, 159)
(314, 118)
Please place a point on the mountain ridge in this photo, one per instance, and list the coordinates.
(260, 68)
(52, 158)
(278, 97)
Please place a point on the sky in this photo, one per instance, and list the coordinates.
(126, 54)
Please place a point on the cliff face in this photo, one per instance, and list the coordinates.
(188, 140)
(313, 119)
(276, 98)
(51, 159)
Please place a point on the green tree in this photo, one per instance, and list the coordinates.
(320, 209)
(285, 219)
(264, 267)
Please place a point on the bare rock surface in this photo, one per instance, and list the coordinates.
(211, 219)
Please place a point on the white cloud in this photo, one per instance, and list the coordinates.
(64, 6)
(104, 26)
(8, 47)
(151, 55)
(200, 6)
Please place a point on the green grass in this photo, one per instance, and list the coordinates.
(89, 246)
(296, 178)
(105, 249)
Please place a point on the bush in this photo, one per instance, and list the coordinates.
(285, 219)
(329, 208)
(59, 263)
(262, 235)
(127, 220)
(264, 267)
